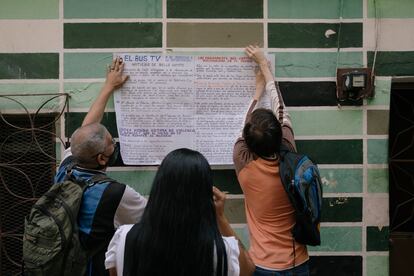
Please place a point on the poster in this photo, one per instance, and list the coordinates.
(177, 101)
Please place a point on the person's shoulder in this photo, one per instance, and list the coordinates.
(242, 155)
(110, 188)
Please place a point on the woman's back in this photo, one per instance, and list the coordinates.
(115, 257)
(179, 231)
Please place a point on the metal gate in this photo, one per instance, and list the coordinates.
(27, 167)
(401, 173)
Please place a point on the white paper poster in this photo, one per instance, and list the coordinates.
(176, 101)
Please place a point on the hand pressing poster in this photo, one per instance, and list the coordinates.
(177, 101)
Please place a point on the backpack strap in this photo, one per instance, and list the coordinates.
(100, 178)
(68, 170)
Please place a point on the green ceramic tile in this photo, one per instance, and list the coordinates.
(112, 35)
(377, 151)
(82, 95)
(86, 65)
(313, 35)
(393, 63)
(141, 181)
(243, 235)
(28, 88)
(33, 103)
(341, 180)
(318, 64)
(213, 34)
(33, 100)
(234, 210)
(332, 151)
(382, 92)
(378, 180)
(326, 9)
(378, 122)
(226, 180)
(29, 66)
(339, 239)
(342, 209)
(377, 238)
(106, 9)
(390, 9)
(214, 9)
(377, 265)
(73, 120)
(22, 9)
(337, 122)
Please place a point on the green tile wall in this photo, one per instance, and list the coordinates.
(226, 180)
(334, 122)
(342, 209)
(21, 9)
(377, 266)
(28, 88)
(341, 180)
(86, 65)
(30, 102)
(303, 35)
(213, 34)
(29, 66)
(389, 9)
(215, 9)
(377, 238)
(332, 151)
(378, 122)
(350, 143)
(234, 210)
(243, 234)
(314, 64)
(112, 35)
(378, 180)
(106, 9)
(377, 151)
(382, 92)
(316, 9)
(393, 63)
(82, 94)
(141, 180)
(343, 239)
(74, 120)
(40, 103)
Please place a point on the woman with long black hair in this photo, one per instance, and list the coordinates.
(183, 230)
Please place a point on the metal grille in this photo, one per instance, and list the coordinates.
(401, 164)
(27, 168)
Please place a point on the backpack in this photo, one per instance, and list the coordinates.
(51, 244)
(301, 180)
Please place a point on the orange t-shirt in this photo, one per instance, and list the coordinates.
(270, 215)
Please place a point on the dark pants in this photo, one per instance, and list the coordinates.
(302, 270)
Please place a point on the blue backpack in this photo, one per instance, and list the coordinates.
(301, 180)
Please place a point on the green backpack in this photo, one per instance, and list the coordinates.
(51, 243)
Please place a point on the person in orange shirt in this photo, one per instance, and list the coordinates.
(270, 215)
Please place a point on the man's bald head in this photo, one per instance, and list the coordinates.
(87, 142)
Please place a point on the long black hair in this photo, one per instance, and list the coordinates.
(178, 233)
